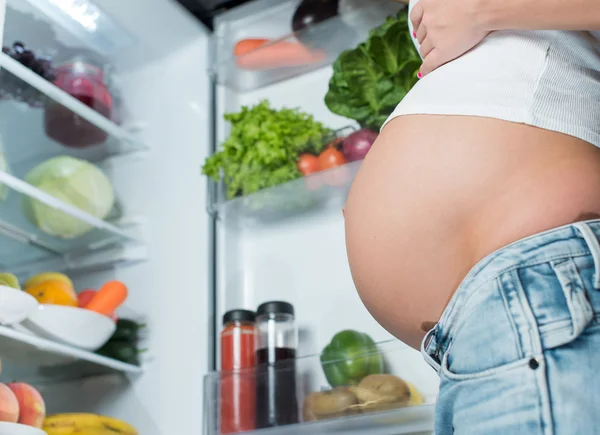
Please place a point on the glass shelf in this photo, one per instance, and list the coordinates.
(302, 196)
(22, 127)
(288, 54)
(398, 412)
(26, 356)
(21, 242)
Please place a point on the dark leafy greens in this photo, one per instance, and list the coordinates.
(263, 148)
(370, 80)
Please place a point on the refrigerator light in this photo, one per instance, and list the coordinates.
(81, 11)
(87, 22)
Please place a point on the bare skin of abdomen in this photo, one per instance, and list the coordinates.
(436, 194)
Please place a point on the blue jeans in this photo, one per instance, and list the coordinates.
(518, 347)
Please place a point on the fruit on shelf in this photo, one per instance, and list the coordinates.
(46, 276)
(9, 280)
(74, 182)
(32, 409)
(81, 423)
(382, 392)
(416, 398)
(9, 405)
(331, 158)
(308, 164)
(85, 296)
(320, 405)
(350, 357)
(13, 87)
(53, 291)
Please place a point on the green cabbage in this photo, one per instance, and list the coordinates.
(74, 182)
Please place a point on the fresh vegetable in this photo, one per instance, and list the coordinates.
(357, 145)
(53, 292)
(331, 158)
(382, 391)
(85, 296)
(9, 280)
(110, 296)
(307, 20)
(124, 351)
(350, 357)
(308, 164)
(281, 54)
(327, 404)
(369, 81)
(263, 148)
(311, 12)
(245, 46)
(75, 182)
(127, 330)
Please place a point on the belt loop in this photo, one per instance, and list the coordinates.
(594, 246)
(425, 344)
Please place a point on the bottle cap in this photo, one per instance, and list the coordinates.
(275, 307)
(239, 316)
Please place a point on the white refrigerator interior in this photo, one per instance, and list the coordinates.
(185, 258)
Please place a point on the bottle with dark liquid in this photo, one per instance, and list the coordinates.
(276, 402)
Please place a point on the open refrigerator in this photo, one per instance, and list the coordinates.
(186, 252)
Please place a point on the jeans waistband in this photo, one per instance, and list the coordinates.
(571, 240)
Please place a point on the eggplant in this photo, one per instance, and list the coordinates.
(329, 37)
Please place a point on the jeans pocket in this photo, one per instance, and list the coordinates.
(446, 370)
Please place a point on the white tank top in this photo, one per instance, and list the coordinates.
(547, 79)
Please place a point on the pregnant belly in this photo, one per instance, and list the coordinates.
(438, 193)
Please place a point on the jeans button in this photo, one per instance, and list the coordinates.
(533, 364)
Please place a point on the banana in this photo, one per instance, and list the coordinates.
(86, 424)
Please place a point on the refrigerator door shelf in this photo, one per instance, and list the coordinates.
(300, 197)
(288, 54)
(414, 415)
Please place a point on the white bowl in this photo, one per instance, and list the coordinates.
(71, 325)
(19, 429)
(15, 305)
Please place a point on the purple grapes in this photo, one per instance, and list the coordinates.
(13, 87)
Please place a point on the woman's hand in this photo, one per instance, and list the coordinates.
(446, 29)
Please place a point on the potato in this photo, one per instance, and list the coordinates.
(327, 404)
(382, 392)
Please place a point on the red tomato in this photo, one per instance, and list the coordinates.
(331, 158)
(308, 164)
(85, 296)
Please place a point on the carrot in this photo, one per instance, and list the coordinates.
(245, 46)
(279, 55)
(108, 298)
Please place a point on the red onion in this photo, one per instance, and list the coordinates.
(357, 145)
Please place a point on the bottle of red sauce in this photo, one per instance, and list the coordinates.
(237, 391)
